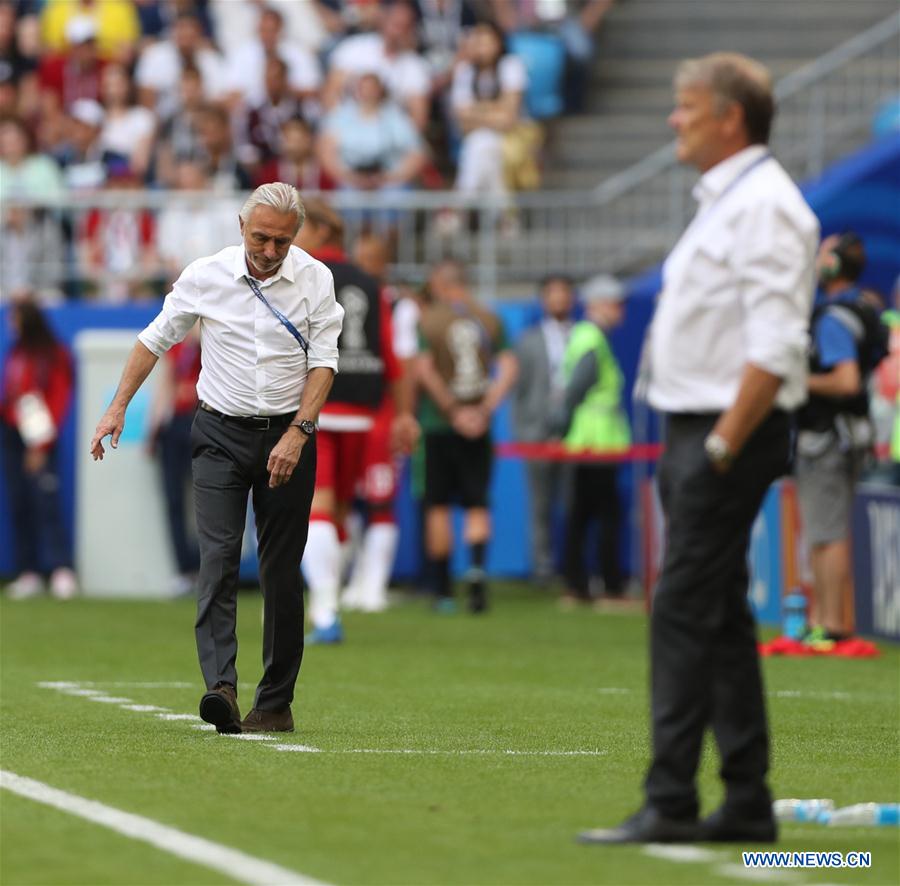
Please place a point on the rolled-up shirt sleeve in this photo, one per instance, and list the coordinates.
(179, 313)
(775, 272)
(325, 323)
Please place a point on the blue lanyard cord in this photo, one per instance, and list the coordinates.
(283, 320)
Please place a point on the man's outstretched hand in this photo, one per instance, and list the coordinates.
(111, 425)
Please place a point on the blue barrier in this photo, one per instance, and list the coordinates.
(876, 561)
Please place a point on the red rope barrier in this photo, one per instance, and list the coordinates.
(642, 452)
(558, 452)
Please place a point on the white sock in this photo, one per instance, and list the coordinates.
(321, 567)
(377, 560)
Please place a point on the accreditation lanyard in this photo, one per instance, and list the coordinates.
(304, 344)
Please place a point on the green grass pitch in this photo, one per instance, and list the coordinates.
(449, 696)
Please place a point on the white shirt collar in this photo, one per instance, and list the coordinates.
(240, 268)
(715, 181)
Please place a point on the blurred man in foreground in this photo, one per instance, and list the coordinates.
(727, 360)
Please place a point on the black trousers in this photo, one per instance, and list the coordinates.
(595, 495)
(704, 664)
(229, 463)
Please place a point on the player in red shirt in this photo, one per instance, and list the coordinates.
(349, 463)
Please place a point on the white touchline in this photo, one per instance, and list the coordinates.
(297, 748)
(686, 853)
(760, 875)
(431, 752)
(231, 862)
(144, 708)
(249, 736)
(162, 713)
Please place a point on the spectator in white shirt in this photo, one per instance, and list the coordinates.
(247, 64)
(160, 65)
(188, 229)
(269, 324)
(128, 129)
(486, 99)
(390, 52)
(727, 354)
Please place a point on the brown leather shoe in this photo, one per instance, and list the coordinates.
(268, 721)
(219, 707)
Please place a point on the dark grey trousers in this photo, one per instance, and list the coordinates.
(704, 665)
(229, 463)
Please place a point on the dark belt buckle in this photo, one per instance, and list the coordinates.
(263, 422)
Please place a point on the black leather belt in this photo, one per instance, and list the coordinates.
(251, 422)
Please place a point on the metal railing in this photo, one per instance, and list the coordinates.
(625, 224)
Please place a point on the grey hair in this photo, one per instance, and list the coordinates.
(734, 78)
(280, 196)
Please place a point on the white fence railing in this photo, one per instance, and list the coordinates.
(625, 224)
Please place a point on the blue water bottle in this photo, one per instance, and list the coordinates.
(793, 608)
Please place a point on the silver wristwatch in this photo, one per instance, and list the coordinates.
(306, 427)
(716, 447)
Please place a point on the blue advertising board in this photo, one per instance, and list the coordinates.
(876, 561)
(766, 560)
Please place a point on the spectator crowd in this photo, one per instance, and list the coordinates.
(221, 96)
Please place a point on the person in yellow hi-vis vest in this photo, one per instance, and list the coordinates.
(593, 419)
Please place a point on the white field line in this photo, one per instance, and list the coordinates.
(66, 684)
(800, 693)
(250, 736)
(433, 752)
(759, 875)
(230, 862)
(126, 704)
(688, 854)
(144, 708)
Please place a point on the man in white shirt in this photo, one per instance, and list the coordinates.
(269, 325)
(158, 70)
(247, 63)
(727, 363)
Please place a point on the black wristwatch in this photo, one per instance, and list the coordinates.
(306, 426)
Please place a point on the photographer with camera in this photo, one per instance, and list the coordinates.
(835, 434)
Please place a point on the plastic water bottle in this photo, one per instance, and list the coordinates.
(794, 614)
(867, 814)
(802, 810)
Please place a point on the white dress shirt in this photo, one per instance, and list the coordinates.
(251, 364)
(737, 289)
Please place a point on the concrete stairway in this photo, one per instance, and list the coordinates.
(642, 41)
